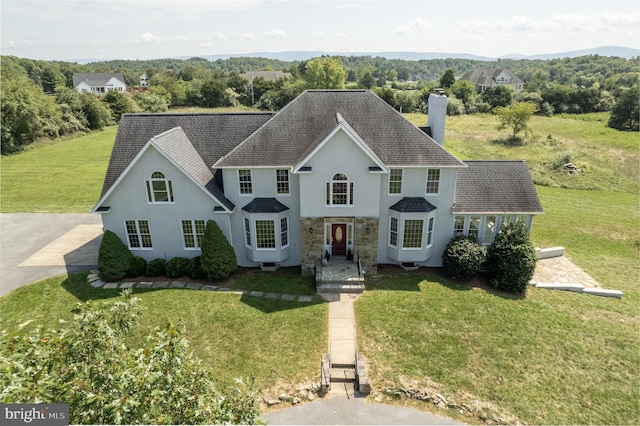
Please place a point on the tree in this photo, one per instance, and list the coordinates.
(624, 115)
(498, 95)
(325, 73)
(516, 117)
(447, 79)
(213, 93)
(464, 90)
(511, 260)
(150, 102)
(119, 103)
(218, 259)
(90, 365)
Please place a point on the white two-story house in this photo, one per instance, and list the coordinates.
(99, 83)
(338, 172)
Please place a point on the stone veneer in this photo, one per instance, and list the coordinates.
(312, 244)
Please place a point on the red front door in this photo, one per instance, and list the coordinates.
(339, 239)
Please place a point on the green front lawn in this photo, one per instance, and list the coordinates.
(276, 340)
(550, 358)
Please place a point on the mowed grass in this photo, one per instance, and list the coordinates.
(63, 176)
(275, 340)
(608, 158)
(550, 358)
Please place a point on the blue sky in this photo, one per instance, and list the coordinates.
(146, 29)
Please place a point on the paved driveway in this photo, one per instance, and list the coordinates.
(35, 246)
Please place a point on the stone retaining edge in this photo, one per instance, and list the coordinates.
(95, 281)
(578, 288)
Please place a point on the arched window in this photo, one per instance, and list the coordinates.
(339, 191)
(159, 188)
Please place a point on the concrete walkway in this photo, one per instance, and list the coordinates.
(342, 327)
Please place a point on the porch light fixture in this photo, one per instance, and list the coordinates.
(368, 230)
(310, 230)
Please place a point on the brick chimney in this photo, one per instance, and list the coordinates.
(437, 114)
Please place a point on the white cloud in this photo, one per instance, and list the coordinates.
(274, 34)
(414, 26)
(149, 38)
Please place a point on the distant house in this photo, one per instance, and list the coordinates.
(99, 82)
(492, 77)
(333, 172)
(267, 75)
(144, 81)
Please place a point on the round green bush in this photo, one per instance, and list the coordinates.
(463, 257)
(218, 258)
(512, 259)
(177, 267)
(156, 267)
(194, 269)
(114, 258)
(137, 267)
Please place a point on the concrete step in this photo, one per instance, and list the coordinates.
(339, 287)
(343, 375)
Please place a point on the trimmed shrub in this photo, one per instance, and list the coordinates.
(218, 258)
(194, 268)
(512, 259)
(463, 257)
(156, 267)
(137, 267)
(177, 267)
(114, 258)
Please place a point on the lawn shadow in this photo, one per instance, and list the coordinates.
(76, 284)
(276, 303)
(510, 141)
(479, 281)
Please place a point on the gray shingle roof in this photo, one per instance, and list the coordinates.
(265, 205)
(176, 145)
(285, 139)
(413, 205)
(95, 78)
(496, 187)
(212, 136)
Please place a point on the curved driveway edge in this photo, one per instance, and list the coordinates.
(338, 410)
(35, 246)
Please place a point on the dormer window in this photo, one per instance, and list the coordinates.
(339, 191)
(159, 188)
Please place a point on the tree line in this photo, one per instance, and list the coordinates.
(38, 98)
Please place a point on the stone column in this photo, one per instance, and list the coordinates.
(311, 244)
(366, 242)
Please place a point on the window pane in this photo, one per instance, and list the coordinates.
(393, 232)
(395, 181)
(458, 226)
(244, 177)
(282, 181)
(412, 234)
(430, 232)
(433, 181)
(489, 229)
(474, 226)
(265, 234)
(284, 232)
(247, 232)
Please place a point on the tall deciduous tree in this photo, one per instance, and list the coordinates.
(325, 73)
(624, 115)
(447, 79)
(516, 117)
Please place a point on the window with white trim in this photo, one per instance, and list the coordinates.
(247, 232)
(193, 233)
(489, 229)
(474, 226)
(412, 236)
(284, 232)
(138, 234)
(393, 232)
(244, 179)
(430, 232)
(159, 188)
(265, 234)
(395, 181)
(339, 192)
(458, 226)
(433, 181)
(282, 181)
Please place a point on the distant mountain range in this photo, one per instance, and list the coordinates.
(302, 55)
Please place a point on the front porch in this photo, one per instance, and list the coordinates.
(340, 275)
